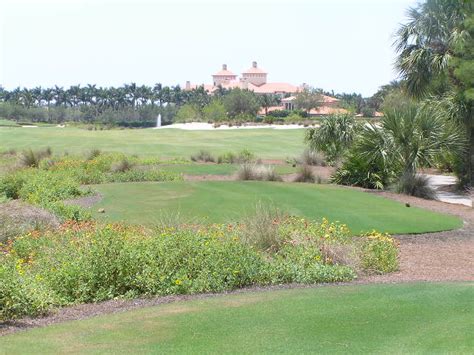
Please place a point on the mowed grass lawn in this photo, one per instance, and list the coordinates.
(166, 143)
(226, 201)
(406, 318)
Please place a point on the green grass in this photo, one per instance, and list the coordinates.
(264, 143)
(7, 123)
(217, 169)
(406, 318)
(224, 201)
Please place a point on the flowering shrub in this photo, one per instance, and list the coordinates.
(89, 262)
(379, 253)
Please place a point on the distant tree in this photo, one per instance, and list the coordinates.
(241, 102)
(188, 113)
(334, 136)
(308, 99)
(268, 100)
(215, 111)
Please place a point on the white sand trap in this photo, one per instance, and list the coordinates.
(204, 126)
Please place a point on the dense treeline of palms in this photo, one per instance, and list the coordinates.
(128, 95)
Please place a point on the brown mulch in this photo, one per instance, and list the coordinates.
(443, 256)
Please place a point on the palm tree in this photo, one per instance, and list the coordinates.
(407, 139)
(427, 47)
(334, 136)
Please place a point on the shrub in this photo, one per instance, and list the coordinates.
(31, 159)
(261, 228)
(93, 153)
(20, 294)
(416, 185)
(244, 156)
(88, 262)
(11, 184)
(379, 253)
(121, 166)
(305, 174)
(311, 157)
(203, 156)
(251, 171)
(357, 171)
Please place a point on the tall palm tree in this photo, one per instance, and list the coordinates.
(427, 46)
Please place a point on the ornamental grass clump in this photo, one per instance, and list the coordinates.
(252, 171)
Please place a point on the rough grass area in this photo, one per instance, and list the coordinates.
(220, 201)
(406, 318)
(264, 143)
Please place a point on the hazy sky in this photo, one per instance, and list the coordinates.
(331, 44)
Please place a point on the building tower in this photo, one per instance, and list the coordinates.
(223, 76)
(255, 75)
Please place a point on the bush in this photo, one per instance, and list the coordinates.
(203, 156)
(31, 159)
(379, 253)
(88, 262)
(311, 157)
(357, 171)
(244, 156)
(251, 171)
(121, 166)
(93, 153)
(261, 228)
(416, 185)
(305, 174)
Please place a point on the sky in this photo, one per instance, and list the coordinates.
(339, 45)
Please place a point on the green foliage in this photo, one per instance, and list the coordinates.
(379, 253)
(305, 174)
(85, 262)
(252, 171)
(416, 185)
(308, 99)
(214, 111)
(20, 294)
(334, 136)
(203, 156)
(241, 102)
(357, 171)
(31, 159)
(60, 178)
(188, 113)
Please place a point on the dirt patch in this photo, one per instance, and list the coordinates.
(85, 201)
(442, 256)
(17, 217)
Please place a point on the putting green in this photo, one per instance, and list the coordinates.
(225, 201)
(406, 318)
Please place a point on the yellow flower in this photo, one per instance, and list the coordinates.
(178, 282)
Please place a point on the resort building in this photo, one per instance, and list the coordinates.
(254, 78)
